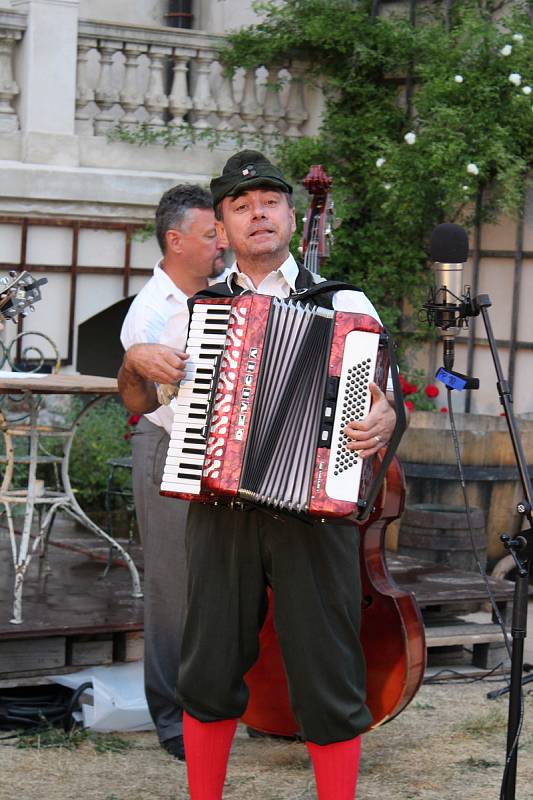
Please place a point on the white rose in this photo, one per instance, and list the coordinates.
(518, 37)
(387, 186)
(526, 89)
(506, 50)
(515, 78)
(465, 188)
(410, 137)
(458, 79)
(472, 169)
(380, 162)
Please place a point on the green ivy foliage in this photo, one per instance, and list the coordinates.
(469, 125)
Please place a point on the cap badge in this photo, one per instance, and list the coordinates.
(249, 170)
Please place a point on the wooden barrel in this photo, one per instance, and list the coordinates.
(428, 459)
(440, 534)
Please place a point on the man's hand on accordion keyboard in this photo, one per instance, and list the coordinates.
(143, 365)
(373, 432)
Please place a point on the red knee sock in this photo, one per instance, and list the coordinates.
(336, 768)
(207, 746)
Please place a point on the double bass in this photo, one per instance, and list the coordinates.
(392, 631)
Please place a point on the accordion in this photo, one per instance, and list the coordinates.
(259, 416)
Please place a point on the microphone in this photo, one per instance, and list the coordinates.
(447, 303)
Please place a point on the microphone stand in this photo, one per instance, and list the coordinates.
(520, 547)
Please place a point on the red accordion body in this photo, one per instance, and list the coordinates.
(278, 385)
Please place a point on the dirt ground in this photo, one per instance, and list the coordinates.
(449, 744)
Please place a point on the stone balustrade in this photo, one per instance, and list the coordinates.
(131, 75)
(12, 27)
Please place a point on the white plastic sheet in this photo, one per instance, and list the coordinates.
(119, 702)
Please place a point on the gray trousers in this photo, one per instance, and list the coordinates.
(161, 523)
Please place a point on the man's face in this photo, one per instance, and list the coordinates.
(257, 223)
(197, 239)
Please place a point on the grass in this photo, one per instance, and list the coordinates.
(477, 763)
(419, 706)
(494, 721)
(50, 737)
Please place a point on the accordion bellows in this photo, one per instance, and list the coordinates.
(270, 385)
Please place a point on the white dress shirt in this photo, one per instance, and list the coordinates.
(158, 300)
(279, 283)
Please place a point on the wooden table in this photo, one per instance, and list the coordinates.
(31, 388)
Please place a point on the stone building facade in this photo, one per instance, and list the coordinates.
(72, 199)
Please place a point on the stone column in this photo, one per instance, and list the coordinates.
(250, 110)
(296, 112)
(131, 97)
(156, 101)
(84, 95)
(48, 80)
(202, 101)
(179, 101)
(106, 93)
(8, 86)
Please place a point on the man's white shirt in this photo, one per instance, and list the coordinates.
(158, 300)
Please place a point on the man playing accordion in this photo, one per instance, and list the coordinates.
(233, 555)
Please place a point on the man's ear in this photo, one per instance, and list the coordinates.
(173, 239)
(221, 233)
(293, 224)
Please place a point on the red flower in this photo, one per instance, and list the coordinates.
(431, 390)
(134, 419)
(443, 410)
(410, 405)
(406, 387)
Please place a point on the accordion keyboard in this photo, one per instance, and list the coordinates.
(186, 453)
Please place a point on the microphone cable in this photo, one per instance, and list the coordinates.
(490, 593)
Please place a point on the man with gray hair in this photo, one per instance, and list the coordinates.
(185, 230)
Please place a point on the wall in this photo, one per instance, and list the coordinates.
(222, 16)
(131, 12)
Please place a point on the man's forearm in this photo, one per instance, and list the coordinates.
(138, 394)
(144, 365)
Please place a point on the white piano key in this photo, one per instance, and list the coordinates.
(211, 307)
(177, 452)
(178, 439)
(191, 468)
(187, 430)
(208, 325)
(195, 458)
(194, 391)
(166, 486)
(184, 483)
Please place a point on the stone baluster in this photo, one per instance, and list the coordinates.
(131, 97)
(203, 103)
(106, 94)
(296, 113)
(156, 101)
(272, 110)
(250, 110)
(8, 86)
(225, 102)
(84, 93)
(179, 101)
